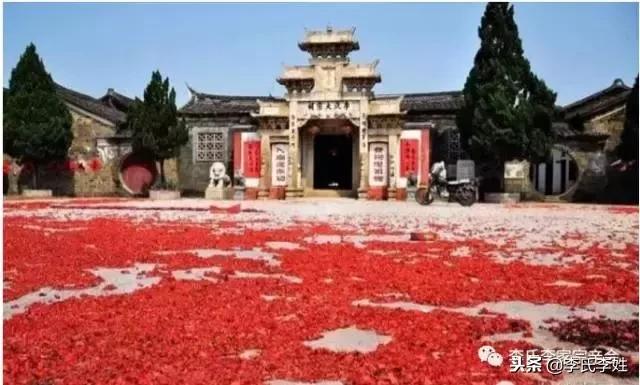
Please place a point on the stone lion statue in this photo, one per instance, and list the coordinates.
(218, 177)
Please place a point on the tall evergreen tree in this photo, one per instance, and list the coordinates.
(508, 111)
(154, 122)
(36, 124)
(628, 147)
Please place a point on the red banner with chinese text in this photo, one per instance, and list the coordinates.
(237, 152)
(408, 157)
(251, 157)
(425, 139)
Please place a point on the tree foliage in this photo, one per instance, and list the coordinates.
(508, 111)
(154, 122)
(628, 148)
(36, 123)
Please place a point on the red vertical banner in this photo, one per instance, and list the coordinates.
(252, 159)
(408, 157)
(425, 144)
(237, 152)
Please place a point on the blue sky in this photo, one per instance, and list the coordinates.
(240, 48)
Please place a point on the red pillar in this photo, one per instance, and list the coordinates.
(237, 152)
(251, 164)
(425, 166)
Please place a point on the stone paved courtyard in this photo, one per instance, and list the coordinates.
(118, 291)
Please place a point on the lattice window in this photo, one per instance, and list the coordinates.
(453, 145)
(210, 147)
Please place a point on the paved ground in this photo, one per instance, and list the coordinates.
(317, 291)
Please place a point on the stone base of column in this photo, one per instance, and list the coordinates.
(362, 193)
(392, 193)
(263, 193)
(377, 193)
(401, 194)
(277, 192)
(294, 192)
(251, 193)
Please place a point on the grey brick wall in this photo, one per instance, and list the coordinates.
(194, 176)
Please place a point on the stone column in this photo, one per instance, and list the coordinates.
(265, 165)
(379, 169)
(279, 155)
(364, 154)
(293, 188)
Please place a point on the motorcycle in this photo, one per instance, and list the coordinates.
(463, 191)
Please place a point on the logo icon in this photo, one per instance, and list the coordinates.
(489, 355)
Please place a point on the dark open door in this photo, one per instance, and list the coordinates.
(332, 162)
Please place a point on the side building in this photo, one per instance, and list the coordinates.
(99, 156)
(586, 140)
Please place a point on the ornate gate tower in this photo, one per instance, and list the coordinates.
(329, 132)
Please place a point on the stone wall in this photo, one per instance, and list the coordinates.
(610, 123)
(85, 131)
(64, 182)
(97, 183)
(171, 172)
(194, 176)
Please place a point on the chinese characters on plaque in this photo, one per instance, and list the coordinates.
(378, 164)
(252, 159)
(408, 157)
(279, 160)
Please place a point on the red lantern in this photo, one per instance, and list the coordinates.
(71, 165)
(6, 167)
(95, 164)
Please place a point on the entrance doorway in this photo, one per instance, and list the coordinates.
(332, 166)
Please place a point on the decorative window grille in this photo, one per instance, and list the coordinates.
(453, 145)
(210, 146)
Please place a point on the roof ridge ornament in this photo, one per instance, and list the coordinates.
(193, 93)
(618, 82)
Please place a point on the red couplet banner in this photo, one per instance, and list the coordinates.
(251, 159)
(408, 157)
(237, 152)
(425, 137)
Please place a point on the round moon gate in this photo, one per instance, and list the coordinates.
(138, 173)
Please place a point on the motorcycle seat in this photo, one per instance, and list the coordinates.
(461, 181)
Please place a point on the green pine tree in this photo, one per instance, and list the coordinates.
(36, 123)
(154, 123)
(628, 147)
(508, 111)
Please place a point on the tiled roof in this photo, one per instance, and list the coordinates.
(596, 103)
(563, 130)
(91, 104)
(88, 103)
(448, 101)
(205, 104)
(208, 104)
(116, 100)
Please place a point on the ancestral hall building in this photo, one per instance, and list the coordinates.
(330, 132)
(329, 135)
